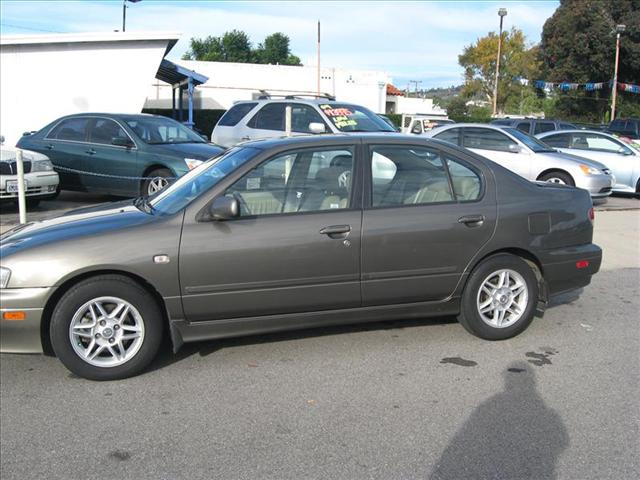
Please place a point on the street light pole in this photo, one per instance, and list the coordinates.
(614, 87)
(502, 13)
(124, 11)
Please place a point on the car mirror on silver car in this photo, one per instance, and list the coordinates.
(317, 127)
(515, 148)
(624, 151)
(224, 208)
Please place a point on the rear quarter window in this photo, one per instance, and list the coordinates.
(235, 114)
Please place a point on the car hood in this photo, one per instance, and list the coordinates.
(199, 151)
(82, 222)
(567, 157)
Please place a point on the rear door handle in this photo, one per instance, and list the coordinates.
(472, 220)
(91, 151)
(336, 231)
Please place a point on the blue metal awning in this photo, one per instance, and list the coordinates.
(180, 79)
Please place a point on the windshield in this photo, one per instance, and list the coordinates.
(533, 143)
(199, 180)
(352, 118)
(162, 130)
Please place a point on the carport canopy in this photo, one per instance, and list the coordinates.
(180, 79)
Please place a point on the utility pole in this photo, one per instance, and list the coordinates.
(614, 87)
(502, 13)
(416, 83)
(124, 12)
(318, 57)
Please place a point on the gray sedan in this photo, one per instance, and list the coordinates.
(529, 157)
(621, 158)
(295, 233)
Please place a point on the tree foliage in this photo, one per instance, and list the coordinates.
(517, 59)
(235, 46)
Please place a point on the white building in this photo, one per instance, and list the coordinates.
(229, 82)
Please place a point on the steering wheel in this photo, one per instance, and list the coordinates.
(242, 202)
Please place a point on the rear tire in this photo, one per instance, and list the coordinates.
(106, 328)
(158, 179)
(499, 298)
(558, 177)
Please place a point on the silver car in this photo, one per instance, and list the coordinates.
(528, 156)
(621, 158)
(41, 181)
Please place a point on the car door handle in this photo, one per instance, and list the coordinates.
(49, 147)
(246, 138)
(91, 151)
(472, 220)
(336, 231)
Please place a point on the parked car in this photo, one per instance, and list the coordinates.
(528, 156)
(295, 233)
(626, 127)
(621, 158)
(265, 118)
(419, 124)
(534, 126)
(41, 182)
(119, 154)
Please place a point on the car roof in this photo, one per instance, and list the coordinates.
(573, 130)
(309, 101)
(112, 115)
(335, 138)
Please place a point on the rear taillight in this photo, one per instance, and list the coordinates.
(592, 215)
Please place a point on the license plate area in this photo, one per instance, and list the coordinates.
(12, 186)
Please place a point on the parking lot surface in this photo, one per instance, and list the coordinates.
(415, 399)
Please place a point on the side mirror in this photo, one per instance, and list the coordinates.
(121, 142)
(515, 148)
(224, 208)
(317, 127)
(624, 151)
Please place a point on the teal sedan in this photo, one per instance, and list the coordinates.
(119, 154)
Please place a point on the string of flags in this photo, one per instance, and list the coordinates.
(567, 86)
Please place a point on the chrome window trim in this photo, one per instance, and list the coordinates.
(135, 147)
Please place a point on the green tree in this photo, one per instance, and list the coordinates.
(233, 46)
(517, 59)
(275, 50)
(457, 109)
(578, 46)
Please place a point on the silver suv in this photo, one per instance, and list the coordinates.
(265, 118)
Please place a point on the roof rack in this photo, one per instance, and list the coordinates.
(264, 95)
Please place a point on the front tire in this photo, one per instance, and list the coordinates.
(157, 180)
(561, 178)
(106, 328)
(499, 298)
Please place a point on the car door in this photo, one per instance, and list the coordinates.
(427, 214)
(112, 168)
(295, 247)
(65, 145)
(499, 147)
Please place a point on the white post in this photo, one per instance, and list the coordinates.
(287, 120)
(21, 193)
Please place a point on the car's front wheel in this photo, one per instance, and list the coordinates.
(157, 180)
(561, 178)
(106, 328)
(500, 297)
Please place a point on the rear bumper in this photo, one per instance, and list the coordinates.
(570, 268)
(22, 336)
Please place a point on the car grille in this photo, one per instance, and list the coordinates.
(10, 168)
(605, 190)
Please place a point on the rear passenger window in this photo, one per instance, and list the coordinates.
(452, 136)
(524, 126)
(270, 117)
(104, 131)
(410, 176)
(466, 182)
(235, 114)
(562, 140)
(487, 139)
(72, 129)
(302, 181)
(543, 127)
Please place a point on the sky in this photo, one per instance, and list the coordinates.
(410, 40)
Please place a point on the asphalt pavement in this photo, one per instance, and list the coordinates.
(392, 400)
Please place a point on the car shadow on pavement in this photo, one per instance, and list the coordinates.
(166, 356)
(511, 435)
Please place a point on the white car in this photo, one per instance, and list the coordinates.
(528, 157)
(41, 181)
(623, 159)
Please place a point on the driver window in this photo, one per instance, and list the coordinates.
(302, 181)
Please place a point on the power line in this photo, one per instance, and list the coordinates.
(29, 28)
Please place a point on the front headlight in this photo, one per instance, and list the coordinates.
(587, 170)
(192, 163)
(5, 274)
(41, 165)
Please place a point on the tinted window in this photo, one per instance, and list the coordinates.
(524, 126)
(566, 126)
(156, 130)
(302, 181)
(452, 136)
(270, 117)
(302, 116)
(104, 131)
(562, 140)
(419, 177)
(235, 114)
(466, 182)
(532, 142)
(73, 129)
(618, 124)
(543, 127)
(486, 139)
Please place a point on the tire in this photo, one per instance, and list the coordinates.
(157, 176)
(518, 310)
(558, 177)
(121, 346)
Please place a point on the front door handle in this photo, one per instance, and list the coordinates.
(49, 147)
(91, 151)
(336, 231)
(246, 137)
(472, 220)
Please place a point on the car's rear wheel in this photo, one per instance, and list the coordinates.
(106, 328)
(499, 299)
(558, 177)
(157, 180)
